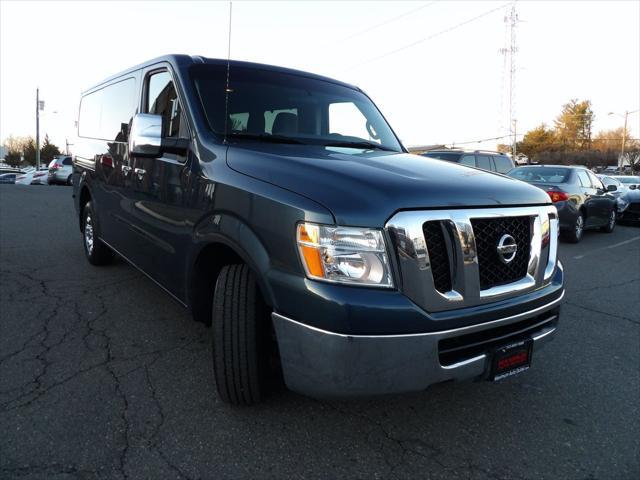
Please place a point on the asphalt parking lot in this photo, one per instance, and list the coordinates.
(102, 375)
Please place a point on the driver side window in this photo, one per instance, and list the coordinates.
(162, 99)
(346, 118)
(595, 181)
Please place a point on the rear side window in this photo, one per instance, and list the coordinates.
(451, 157)
(67, 161)
(484, 162)
(503, 164)
(105, 114)
(468, 160)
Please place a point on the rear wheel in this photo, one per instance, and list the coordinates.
(70, 180)
(239, 328)
(574, 235)
(611, 223)
(96, 251)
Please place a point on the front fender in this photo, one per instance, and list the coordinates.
(230, 231)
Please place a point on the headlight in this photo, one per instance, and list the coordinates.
(350, 255)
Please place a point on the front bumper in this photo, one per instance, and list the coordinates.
(320, 363)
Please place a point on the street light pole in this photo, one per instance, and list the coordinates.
(624, 140)
(624, 135)
(37, 129)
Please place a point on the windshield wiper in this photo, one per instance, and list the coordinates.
(263, 137)
(363, 144)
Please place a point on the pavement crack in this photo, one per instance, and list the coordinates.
(595, 310)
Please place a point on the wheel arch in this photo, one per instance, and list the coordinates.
(213, 252)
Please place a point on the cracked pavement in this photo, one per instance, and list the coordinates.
(102, 375)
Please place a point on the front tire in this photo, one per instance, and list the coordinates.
(96, 252)
(240, 360)
(611, 223)
(574, 235)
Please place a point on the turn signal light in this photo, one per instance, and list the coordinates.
(557, 196)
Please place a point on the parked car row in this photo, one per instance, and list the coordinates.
(583, 200)
(59, 171)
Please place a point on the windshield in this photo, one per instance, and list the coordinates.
(270, 106)
(540, 174)
(629, 179)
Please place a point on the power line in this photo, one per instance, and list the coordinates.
(386, 22)
(430, 37)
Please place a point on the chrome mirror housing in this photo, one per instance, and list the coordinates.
(145, 136)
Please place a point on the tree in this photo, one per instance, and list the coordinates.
(540, 139)
(48, 151)
(13, 147)
(503, 148)
(611, 140)
(573, 125)
(29, 151)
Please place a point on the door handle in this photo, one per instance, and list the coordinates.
(140, 172)
(125, 170)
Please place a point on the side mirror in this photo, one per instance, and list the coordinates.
(145, 135)
(611, 188)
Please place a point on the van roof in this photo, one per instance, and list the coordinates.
(179, 61)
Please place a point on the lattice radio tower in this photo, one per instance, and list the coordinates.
(509, 52)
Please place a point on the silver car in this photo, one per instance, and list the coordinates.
(61, 170)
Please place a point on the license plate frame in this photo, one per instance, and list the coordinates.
(511, 359)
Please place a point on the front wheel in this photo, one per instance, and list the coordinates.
(97, 252)
(239, 326)
(611, 223)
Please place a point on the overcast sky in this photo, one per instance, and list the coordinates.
(432, 87)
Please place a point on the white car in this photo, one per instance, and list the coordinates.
(33, 177)
(61, 170)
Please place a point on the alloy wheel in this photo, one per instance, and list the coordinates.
(88, 234)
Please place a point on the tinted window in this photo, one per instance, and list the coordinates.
(162, 99)
(584, 179)
(451, 157)
(67, 161)
(541, 174)
(106, 113)
(301, 108)
(484, 162)
(503, 163)
(469, 160)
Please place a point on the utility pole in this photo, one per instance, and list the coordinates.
(37, 129)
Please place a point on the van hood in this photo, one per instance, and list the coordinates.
(365, 187)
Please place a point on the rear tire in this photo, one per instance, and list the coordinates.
(96, 251)
(239, 321)
(611, 223)
(574, 235)
(70, 180)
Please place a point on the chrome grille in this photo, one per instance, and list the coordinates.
(464, 247)
(434, 235)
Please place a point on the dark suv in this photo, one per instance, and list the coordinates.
(281, 209)
(484, 159)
